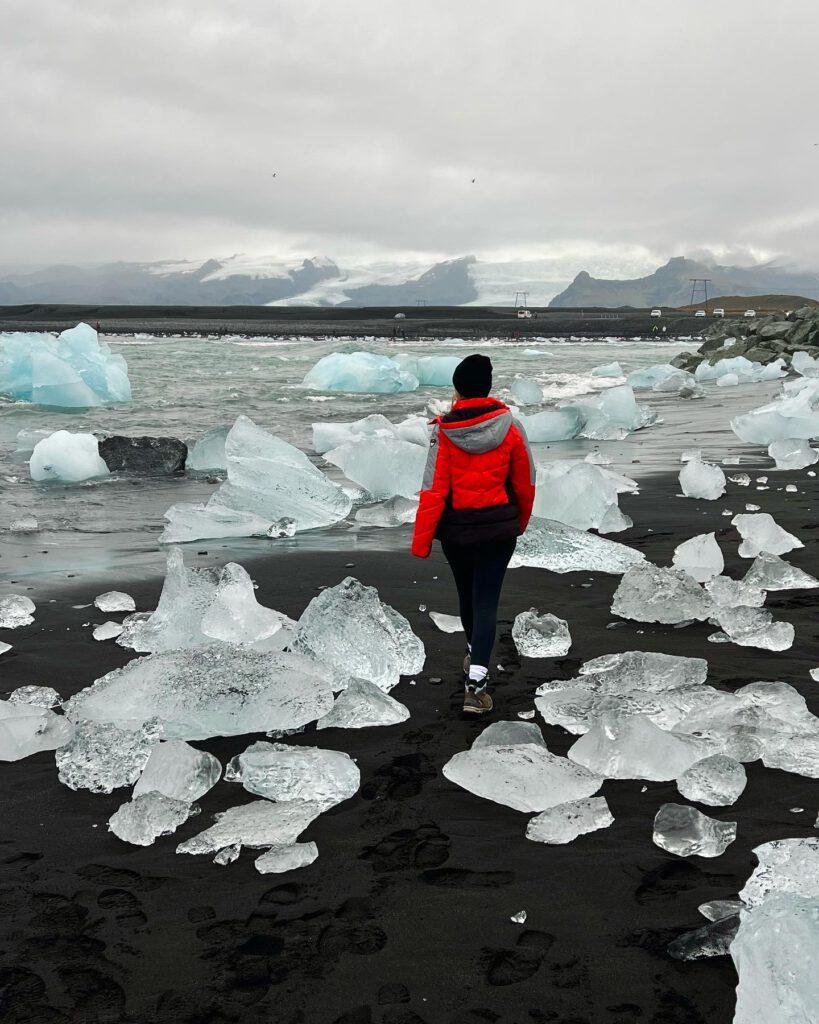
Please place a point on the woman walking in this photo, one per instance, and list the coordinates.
(476, 498)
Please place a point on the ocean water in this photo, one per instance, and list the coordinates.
(185, 386)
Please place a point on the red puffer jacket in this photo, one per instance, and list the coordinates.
(479, 481)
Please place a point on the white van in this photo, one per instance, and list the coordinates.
(700, 312)
(719, 312)
(656, 312)
(749, 312)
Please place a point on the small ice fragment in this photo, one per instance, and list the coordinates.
(567, 821)
(751, 508)
(283, 773)
(761, 479)
(718, 910)
(541, 636)
(702, 480)
(687, 832)
(147, 817)
(526, 715)
(228, 854)
(257, 824)
(791, 488)
(27, 729)
(700, 557)
(797, 810)
(814, 674)
(107, 630)
(760, 533)
(740, 478)
(519, 918)
(422, 607)
(178, 770)
(25, 524)
(286, 857)
(16, 611)
(712, 939)
(717, 780)
(397, 511)
(447, 623)
(36, 696)
(363, 705)
(115, 601)
(4, 647)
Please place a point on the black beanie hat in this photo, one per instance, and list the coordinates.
(473, 376)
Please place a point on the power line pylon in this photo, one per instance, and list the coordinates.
(698, 283)
(521, 300)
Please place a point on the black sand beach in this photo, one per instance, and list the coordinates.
(405, 916)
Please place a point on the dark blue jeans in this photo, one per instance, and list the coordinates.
(479, 570)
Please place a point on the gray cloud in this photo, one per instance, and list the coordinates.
(151, 130)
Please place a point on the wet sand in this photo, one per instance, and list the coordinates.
(405, 916)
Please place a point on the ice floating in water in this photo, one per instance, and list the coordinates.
(513, 767)
(385, 466)
(754, 627)
(67, 458)
(107, 630)
(360, 372)
(208, 454)
(267, 479)
(100, 756)
(279, 772)
(224, 691)
(548, 544)
(36, 696)
(362, 705)
(688, 832)
(567, 821)
(621, 746)
(793, 414)
(792, 453)
(114, 601)
(700, 479)
(396, 511)
(613, 414)
(770, 572)
(648, 376)
(27, 729)
(447, 623)
(648, 593)
(526, 391)
(257, 824)
(743, 370)
(430, 371)
(355, 635)
(25, 524)
(144, 819)
(717, 780)
(15, 611)
(179, 771)
(760, 533)
(608, 370)
(541, 636)
(414, 429)
(582, 495)
(74, 370)
(286, 858)
(700, 557)
(553, 424)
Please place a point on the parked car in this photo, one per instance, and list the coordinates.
(400, 316)
(656, 312)
(700, 312)
(719, 312)
(524, 314)
(749, 312)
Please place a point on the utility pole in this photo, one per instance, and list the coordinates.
(420, 302)
(521, 300)
(700, 283)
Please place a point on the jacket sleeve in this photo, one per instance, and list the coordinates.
(522, 475)
(434, 492)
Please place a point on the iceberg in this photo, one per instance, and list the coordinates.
(101, 756)
(760, 533)
(541, 636)
(565, 822)
(688, 832)
(27, 729)
(396, 511)
(15, 611)
(553, 424)
(144, 819)
(267, 479)
(360, 373)
(195, 694)
(770, 572)
(430, 371)
(255, 825)
(620, 746)
(792, 453)
(526, 391)
(582, 495)
(208, 454)
(280, 773)
(548, 544)
(178, 771)
(75, 370)
(67, 458)
(648, 593)
(700, 479)
(350, 631)
(385, 466)
(361, 706)
(717, 780)
(700, 557)
(286, 857)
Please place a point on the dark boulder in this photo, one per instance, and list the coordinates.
(147, 456)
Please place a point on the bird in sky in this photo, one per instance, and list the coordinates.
(473, 181)
(274, 174)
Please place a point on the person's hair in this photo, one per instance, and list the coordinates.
(473, 376)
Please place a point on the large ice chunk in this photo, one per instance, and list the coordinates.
(648, 376)
(565, 822)
(700, 557)
(208, 454)
(700, 479)
(632, 747)
(396, 511)
(613, 414)
(760, 533)
(541, 636)
(548, 544)
(361, 705)
(582, 495)
(280, 772)
(36, 696)
(16, 610)
(430, 371)
(608, 370)
(526, 391)
(268, 479)
(792, 453)
(257, 824)
(414, 429)
(770, 572)
(27, 729)
(351, 631)
(286, 858)
(755, 627)
(553, 424)
(785, 866)
(144, 819)
(179, 771)
(648, 593)
(793, 414)
(522, 774)
(67, 458)
(73, 370)
(717, 780)
(728, 593)
(234, 616)
(360, 372)
(385, 466)
(101, 756)
(688, 832)
(224, 691)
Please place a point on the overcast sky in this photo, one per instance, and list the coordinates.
(636, 129)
